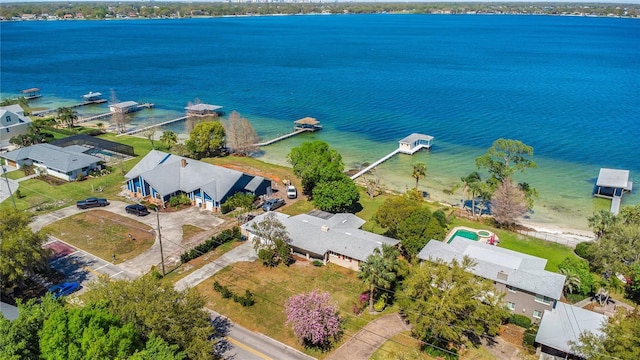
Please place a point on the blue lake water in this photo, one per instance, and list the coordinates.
(568, 86)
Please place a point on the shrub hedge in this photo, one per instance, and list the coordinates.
(246, 300)
(225, 236)
(520, 320)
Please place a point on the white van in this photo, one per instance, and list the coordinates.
(292, 193)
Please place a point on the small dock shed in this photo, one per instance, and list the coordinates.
(308, 124)
(415, 142)
(124, 107)
(612, 183)
(92, 97)
(32, 93)
(204, 110)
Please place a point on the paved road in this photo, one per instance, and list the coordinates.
(251, 345)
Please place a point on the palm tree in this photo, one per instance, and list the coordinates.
(472, 184)
(169, 138)
(419, 171)
(571, 281)
(378, 271)
(67, 116)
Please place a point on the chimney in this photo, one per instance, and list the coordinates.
(325, 228)
(502, 275)
(183, 162)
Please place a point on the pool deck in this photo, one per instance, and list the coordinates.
(482, 239)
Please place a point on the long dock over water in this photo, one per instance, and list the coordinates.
(84, 103)
(138, 130)
(409, 145)
(285, 136)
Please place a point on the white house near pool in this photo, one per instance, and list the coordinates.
(529, 289)
(159, 176)
(334, 238)
(62, 162)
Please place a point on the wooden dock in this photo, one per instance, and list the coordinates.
(380, 161)
(409, 145)
(138, 130)
(286, 136)
(84, 103)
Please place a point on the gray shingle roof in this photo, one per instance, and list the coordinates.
(565, 323)
(343, 235)
(523, 271)
(54, 157)
(165, 173)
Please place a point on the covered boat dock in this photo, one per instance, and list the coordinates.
(307, 124)
(612, 184)
(32, 93)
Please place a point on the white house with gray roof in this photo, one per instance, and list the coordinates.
(529, 288)
(62, 162)
(159, 176)
(336, 238)
(12, 123)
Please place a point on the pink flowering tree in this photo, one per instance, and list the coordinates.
(314, 318)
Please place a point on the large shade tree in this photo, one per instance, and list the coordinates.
(154, 307)
(315, 162)
(271, 240)
(446, 303)
(340, 195)
(508, 203)
(242, 138)
(206, 139)
(21, 251)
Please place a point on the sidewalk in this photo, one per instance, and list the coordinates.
(366, 341)
(243, 252)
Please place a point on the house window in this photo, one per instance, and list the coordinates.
(537, 314)
(8, 118)
(7, 129)
(511, 306)
(511, 289)
(543, 299)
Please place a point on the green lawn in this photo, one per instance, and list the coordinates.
(273, 286)
(553, 252)
(14, 175)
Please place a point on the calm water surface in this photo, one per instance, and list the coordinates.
(568, 86)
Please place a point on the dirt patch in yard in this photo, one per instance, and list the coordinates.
(104, 234)
(512, 334)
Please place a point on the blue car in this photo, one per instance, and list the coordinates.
(64, 289)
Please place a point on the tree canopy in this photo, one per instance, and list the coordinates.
(508, 203)
(447, 303)
(47, 329)
(241, 136)
(66, 116)
(153, 307)
(380, 270)
(21, 248)
(504, 157)
(340, 195)
(168, 138)
(314, 318)
(621, 339)
(271, 240)
(315, 162)
(206, 139)
(419, 172)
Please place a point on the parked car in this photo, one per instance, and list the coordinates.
(137, 209)
(64, 289)
(272, 204)
(292, 193)
(91, 203)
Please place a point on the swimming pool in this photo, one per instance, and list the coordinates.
(465, 234)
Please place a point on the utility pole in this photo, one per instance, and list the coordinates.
(4, 171)
(160, 239)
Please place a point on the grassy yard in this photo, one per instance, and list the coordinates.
(189, 231)
(273, 286)
(103, 234)
(553, 252)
